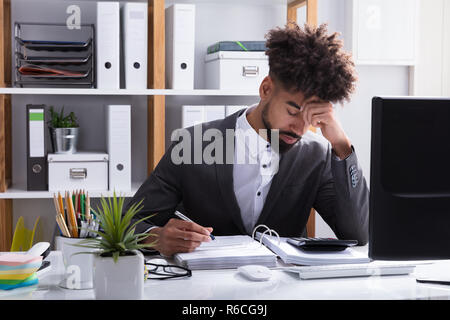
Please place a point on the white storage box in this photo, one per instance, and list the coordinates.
(81, 170)
(241, 70)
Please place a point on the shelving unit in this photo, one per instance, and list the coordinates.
(155, 99)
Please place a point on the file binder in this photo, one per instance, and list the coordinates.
(108, 45)
(119, 146)
(180, 46)
(189, 115)
(36, 148)
(134, 35)
(293, 255)
(192, 115)
(212, 113)
(229, 110)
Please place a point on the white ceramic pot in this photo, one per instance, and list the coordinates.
(122, 280)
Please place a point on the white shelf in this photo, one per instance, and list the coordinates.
(126, 92)
(20, 192)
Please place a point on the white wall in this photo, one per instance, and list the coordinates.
(356, 115)
(431, 75)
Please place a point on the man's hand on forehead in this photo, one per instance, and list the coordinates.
(317, 111)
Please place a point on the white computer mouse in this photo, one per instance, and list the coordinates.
(255, 272)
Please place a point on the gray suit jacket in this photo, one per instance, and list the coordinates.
(309, 176)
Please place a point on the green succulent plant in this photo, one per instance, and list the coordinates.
(116, 234)
(59, 120)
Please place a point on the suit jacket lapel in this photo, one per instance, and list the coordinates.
(225, 181)
(276, 187)
(224, 174)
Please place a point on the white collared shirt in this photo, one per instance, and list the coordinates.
(255, 164)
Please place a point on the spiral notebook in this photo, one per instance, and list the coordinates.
(292, 255)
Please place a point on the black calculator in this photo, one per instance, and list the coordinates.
(321, 244)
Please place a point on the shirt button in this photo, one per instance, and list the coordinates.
(264, 165)
(268, 146)
(259, 193)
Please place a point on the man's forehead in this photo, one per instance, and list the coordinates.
(297, 98)
(294, 95)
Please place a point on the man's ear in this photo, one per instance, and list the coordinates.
(266, 88)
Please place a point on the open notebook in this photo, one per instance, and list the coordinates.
(226, 252)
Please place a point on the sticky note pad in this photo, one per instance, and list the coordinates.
(11, 284)
(17, 276)
(34, 265)
(14, 259)
(18, 271)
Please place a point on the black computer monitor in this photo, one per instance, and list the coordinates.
(410, 179)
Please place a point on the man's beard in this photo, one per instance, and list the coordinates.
(282, 146)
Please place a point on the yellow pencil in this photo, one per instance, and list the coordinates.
(69, 221)
(61, 205)
(73, 217)
(70, 215)
(60, 218)
(88, 208)
(55, 202)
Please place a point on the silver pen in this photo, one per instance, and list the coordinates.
(183, 217)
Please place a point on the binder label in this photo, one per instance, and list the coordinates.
(36, 138)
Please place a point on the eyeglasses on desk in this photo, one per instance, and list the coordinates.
(165, 271)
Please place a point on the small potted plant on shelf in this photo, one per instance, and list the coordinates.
(63, 131)
(118, 264)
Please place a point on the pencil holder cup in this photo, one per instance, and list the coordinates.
(78, 266)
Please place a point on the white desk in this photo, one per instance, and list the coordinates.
(228, 285)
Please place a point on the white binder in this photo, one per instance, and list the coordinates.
(118, 136)
(212, 113)
(107, 36)
(134, 35)
(192, 115)
(189, 115)
(180, 46)
(229, 110)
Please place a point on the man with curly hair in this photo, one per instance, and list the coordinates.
(293, 169)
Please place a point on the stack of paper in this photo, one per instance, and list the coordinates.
(18, 270)
(290, 254)
(227, 252)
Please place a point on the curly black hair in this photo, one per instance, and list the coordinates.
(311, 61)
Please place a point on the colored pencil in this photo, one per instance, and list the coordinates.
(88, 207)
